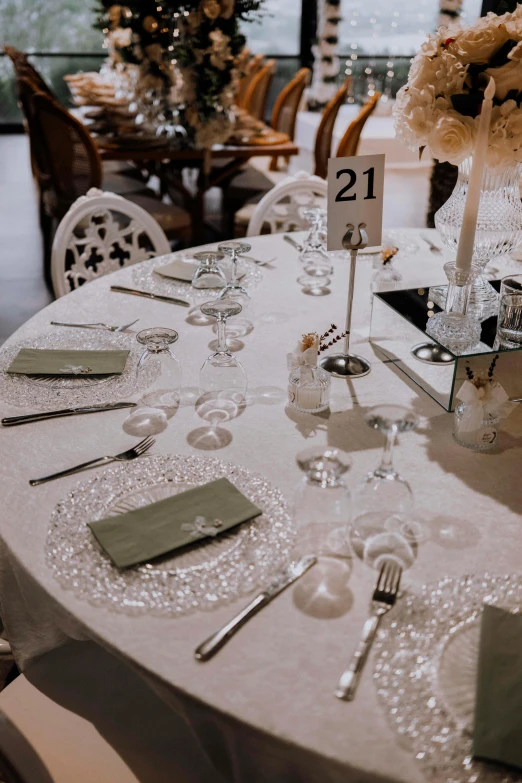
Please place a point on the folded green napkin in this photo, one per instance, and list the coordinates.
(39, 361)
(497, 733)
(169, 524)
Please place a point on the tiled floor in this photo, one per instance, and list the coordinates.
(22, 288)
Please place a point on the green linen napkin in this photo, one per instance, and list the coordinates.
(39, 361)
(172, 523)
(497, 733)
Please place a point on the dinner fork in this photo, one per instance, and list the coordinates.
(136, 451)
(100, 326)
(383, 599)
(432, 246)
(292, 242)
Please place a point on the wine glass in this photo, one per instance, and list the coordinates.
(222, 372)
(234, 250)
(208, 273)
(313, 256)
(382, 527)
(157, 341)
(322, 503)
(314, 285)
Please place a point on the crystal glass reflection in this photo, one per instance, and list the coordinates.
(157, 342)
(322, 503)
(382, 527)
(509, 325)
(222, 372)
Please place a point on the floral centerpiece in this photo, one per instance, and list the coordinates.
(187, 51)
(439, 106)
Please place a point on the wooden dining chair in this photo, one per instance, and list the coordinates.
(101, 233)
(24, 69)
(252, 67)
(350, 141)
(324, 135)
(284, 113)
(281, 209)
(258, 89)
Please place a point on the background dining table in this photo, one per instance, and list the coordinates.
(263, 709)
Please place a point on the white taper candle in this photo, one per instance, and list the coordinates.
(469, 220)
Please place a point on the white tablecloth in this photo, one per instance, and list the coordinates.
(263, 709)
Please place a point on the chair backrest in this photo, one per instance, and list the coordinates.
(284, 113)
(102, 232)
(257, 92)
(324, 135)
(19, 762)
(252, 67)
(66, 154)
(24, 69)
(281, 209)
(350, 141)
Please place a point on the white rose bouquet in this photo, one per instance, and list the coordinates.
(440, 105)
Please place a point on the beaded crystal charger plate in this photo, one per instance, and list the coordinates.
(143, 275)
(425, 673)
(198, 577)
(39, 391)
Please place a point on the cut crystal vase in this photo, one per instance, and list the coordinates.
(499, 229)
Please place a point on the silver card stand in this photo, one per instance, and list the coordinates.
(349, 365)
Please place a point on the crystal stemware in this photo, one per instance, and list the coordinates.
(222, 372)
(233, 288)
(313, 257)
(208, 273)
(382, 527)
(157, 342)
(322, 503)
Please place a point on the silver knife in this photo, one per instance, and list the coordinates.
(210, 646)
(292, 242)
(122, 290)
(12, 421)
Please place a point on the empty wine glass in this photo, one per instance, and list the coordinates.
(314, 285)
(234, 250)
(322, 503)
(383, 528)
(386, 276)
(313, 256)
(222, 372)
(157, 341)
(208, 273)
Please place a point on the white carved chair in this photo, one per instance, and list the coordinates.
(281, 209)
(102, 232)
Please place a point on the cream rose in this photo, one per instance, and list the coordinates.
(477, 44)
(452, 137)
(507, 77)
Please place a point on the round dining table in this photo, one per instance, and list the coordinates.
(263, 709)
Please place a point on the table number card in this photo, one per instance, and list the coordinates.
(355, 195)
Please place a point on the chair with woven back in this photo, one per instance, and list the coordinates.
(258, 89)
(24, 69)
(284, 113)
(324, 136)
(349, 143)
(253, 66)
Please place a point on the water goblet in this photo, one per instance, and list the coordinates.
(233, 288)
(221, 371)
(382, 527)
(208, 273)
(322, 503)
(313, 257)
(314, 285)
(157, 341)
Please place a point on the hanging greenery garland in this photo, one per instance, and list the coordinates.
(189, 50)
(327, 65)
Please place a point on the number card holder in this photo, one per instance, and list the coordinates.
(355, 195)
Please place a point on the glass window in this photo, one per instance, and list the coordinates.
(278, 31)
(49, 25)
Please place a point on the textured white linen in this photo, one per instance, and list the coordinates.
(263, 709)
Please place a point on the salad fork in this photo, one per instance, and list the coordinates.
(136, 451)
(384, 597)
(97, 326)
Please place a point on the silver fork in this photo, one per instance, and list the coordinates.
(432, 246)
(291, 241)
(136, 451)
(384, 597)
(97, 326)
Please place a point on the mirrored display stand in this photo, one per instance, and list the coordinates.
(398, 335)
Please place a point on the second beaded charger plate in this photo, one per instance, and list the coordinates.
(198, 577)
(425, 673)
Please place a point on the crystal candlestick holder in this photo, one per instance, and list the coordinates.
(454, 328)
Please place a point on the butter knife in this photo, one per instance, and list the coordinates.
(292, 242)
(12, 421)
(122, 290)
(214, 643)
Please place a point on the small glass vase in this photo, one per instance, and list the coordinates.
(454, 328)
(309, 389)
(499, 228)
(480, 439)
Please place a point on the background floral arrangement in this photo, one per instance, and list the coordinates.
(440, 104)
(188, 50)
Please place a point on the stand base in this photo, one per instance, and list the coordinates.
(483, 299)
(430, 353)
(342, 365)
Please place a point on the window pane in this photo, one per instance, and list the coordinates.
(279, 29)
(49, 25)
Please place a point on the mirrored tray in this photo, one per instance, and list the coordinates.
(197, 577)
(425, 673)
(46, 392)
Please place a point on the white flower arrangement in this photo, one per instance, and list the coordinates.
(439, 107)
